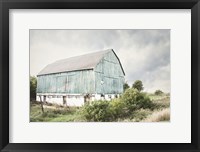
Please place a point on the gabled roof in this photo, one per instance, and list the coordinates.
(82, 62)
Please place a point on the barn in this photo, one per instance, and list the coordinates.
(77, 80)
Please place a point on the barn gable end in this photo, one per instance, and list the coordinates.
(109, 75)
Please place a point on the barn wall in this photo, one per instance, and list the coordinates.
(77, 82)
(109, 77)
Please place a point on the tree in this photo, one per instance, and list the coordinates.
(138, 85)
(126, 86)
(158, 92)
(135, 100)
(33, 86)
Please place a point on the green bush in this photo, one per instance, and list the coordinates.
(133, 100)
(117, 108)
(97, 111)
(138, 85)
(130, 101)
(125, 86)
(141, 114)
(33, 86)
(158, 92)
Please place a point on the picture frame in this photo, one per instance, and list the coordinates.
(5, 5)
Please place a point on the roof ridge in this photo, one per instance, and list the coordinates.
(83, 55)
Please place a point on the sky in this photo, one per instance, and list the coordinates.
(144, 54)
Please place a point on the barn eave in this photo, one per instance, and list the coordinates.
(65, 71)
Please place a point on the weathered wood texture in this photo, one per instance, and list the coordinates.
(109, 76)
(106, 78)
(77, 82)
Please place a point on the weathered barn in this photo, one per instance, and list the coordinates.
(76, 80)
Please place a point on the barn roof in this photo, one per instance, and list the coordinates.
(82, 62)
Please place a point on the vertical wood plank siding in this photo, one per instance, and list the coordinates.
(109, 77)
(76, 82)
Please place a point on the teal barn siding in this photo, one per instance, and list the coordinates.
(95, 73)
(109, 75)
(76, 82)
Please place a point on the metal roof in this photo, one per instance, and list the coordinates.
(82, 62)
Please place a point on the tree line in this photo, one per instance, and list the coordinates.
(139, 86)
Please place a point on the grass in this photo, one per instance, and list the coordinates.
(163, 115)
(53, 113)
(160, 111)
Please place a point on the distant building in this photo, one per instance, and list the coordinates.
(76, 80)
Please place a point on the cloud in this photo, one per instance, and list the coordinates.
(144, 54)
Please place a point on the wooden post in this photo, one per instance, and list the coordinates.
(41, 104)
(84, 99)
(64, 100)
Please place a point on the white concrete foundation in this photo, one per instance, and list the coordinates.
(72, 99)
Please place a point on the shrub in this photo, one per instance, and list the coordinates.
(33, 86)
(141, 114)
(133, 100)
(117, 108)
(138, 85)
(97, 111)
(158, 92)
(125, 86)
(123, 107)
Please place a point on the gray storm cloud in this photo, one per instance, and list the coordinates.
(144, 54)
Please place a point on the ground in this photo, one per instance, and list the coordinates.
(55, 113)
